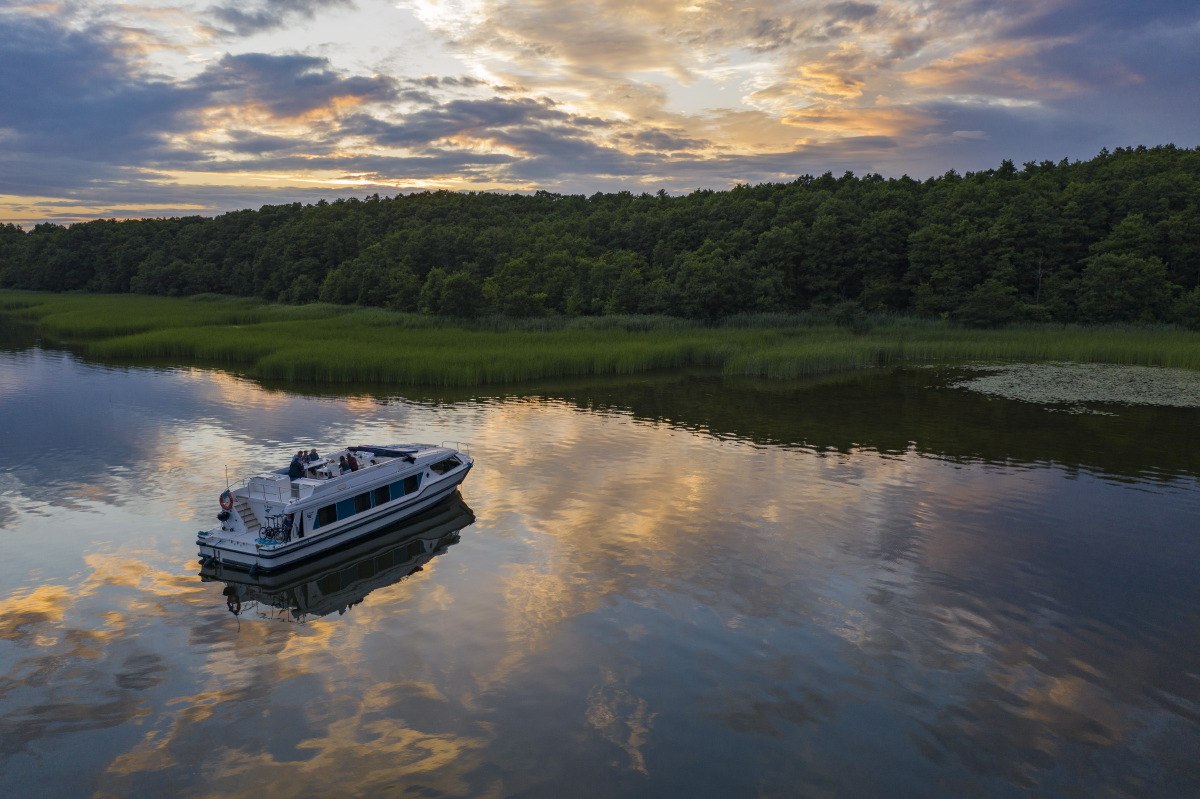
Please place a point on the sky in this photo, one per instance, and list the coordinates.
(180, 107)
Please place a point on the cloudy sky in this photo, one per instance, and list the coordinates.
(170, 107)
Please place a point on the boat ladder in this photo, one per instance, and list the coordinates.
(248, 518)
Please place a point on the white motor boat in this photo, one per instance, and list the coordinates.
(273, 521)
(341, 579)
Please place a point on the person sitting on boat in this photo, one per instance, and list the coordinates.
(351, 461)
(313, 456)
(296, 469)
(342, 465)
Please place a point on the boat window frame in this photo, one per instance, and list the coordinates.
(441, 466)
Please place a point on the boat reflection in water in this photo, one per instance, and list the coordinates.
(341, 579)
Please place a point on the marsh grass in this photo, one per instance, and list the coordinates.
(339, 344)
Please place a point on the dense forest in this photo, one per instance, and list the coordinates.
(1112, 239)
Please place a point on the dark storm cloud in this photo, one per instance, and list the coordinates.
(79, 122)
(771, 34)
(1160, 56)
(417, 97)
(249, 142)
(287, 85)
(75, 114)
(558, 151)
(851, 12)
(1122, 80)
(683, 173)
(435, 82)
(28, 174)
(476, 117)
(661, 141)
(429, 163)
(255, 16)
(1071, 17)
(68, 92)
(82, 125)
(1068, 79)
(848, 154)
(1099, 44)
(906, 44)
(987, 134)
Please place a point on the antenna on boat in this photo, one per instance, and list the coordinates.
(227, 476)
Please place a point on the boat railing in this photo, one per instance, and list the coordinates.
(261, 490)
(461, 446)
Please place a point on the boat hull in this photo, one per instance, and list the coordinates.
(261, 559)
(437, 524)
(343, 578)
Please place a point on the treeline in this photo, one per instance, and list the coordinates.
(1112, 239)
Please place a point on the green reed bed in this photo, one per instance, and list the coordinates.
(81, 317)
(820, 350)
(339, 344)
(459, 357)
(349, 348)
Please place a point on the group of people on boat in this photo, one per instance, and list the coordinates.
(300, 467)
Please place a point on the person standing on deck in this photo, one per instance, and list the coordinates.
(296, 469)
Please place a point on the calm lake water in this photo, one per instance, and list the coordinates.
(874, 585)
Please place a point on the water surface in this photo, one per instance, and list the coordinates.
(871, 585)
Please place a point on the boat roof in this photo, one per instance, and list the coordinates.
(409, 452)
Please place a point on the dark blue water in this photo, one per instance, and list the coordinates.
(870, 586)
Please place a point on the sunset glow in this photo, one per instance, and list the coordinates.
(177, 107)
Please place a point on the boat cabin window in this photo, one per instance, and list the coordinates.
(348, 507)
(408, 485)
(443, 466)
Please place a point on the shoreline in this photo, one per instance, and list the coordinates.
(336, 345)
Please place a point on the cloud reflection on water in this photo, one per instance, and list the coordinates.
(635, 601)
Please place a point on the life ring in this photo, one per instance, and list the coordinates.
(226, 500)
